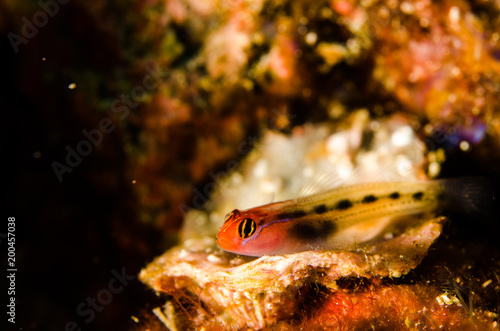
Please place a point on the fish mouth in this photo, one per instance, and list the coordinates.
(223, 243)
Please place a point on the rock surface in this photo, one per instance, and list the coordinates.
(260, 293)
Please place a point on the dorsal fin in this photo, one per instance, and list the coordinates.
(322, 182)
(329, 180)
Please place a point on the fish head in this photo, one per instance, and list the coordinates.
(242, 233)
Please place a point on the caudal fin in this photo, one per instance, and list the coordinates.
(472, 196)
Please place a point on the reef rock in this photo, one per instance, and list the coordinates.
(259, 293)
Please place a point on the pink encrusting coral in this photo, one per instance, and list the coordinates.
(436, 59)
(380, 307)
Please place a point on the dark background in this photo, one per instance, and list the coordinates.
(70, 235)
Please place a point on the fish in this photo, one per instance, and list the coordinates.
(346, 217)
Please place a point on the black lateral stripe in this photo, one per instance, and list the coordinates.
(418, 195)
(292, 214)
(343, 204)
(369, 199)
(320, 209)
(394, 195)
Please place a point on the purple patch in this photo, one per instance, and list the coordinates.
(451, 137)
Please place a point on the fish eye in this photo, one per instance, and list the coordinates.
(231, 215)
(246, 228)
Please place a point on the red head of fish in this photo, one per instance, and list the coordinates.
(253, 232)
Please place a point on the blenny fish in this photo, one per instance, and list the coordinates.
(347, 216)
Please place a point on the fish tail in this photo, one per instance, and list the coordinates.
(472, 196)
